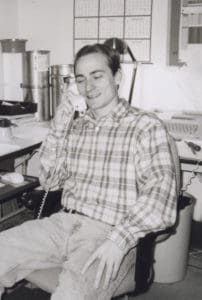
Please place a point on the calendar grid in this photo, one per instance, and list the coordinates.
(130, 20)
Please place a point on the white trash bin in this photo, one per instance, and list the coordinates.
(171, 253)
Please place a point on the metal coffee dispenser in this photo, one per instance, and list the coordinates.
(11, 68)
(35, 84)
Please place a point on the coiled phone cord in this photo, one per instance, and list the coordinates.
(192, 176)
(43, 201)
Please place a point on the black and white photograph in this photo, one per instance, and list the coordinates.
(100, 149)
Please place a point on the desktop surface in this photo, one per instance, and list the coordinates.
(25, 137)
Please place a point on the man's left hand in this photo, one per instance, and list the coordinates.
(110, 257)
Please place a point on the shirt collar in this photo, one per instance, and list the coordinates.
(116, 114)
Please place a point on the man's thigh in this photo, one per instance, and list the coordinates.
(86, 238)
(33, 245)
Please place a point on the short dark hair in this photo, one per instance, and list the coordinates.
(112, 56)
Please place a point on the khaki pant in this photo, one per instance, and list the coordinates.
(65, 240)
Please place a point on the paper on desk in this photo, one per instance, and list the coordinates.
(7, 148)
(33, 130)
(185, 151)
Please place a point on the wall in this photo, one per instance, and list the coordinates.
(8, 27)
(8, 19)
(48, 25)
(169, 88)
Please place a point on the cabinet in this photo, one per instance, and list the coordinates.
(185, 27)
(9, 193)
(9, 206)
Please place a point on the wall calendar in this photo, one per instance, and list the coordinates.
(130, 20)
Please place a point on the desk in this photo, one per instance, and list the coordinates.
(189, 160)
(11, 151)
(20, 145)
(26, 139)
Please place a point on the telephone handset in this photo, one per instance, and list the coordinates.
(79, 105)
(77, 100)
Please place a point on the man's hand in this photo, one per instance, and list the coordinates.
(71, 93)
(76, 100)
(110, 257)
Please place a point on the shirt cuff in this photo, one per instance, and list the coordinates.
(124, 239)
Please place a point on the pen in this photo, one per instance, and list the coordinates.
(194, 147)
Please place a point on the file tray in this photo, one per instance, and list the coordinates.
(9, 191)
(10, 108)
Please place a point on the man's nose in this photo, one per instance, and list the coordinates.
(89, 84)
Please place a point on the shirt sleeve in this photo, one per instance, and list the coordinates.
(52, 154)
(155, 207)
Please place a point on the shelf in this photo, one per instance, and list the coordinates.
(191, 10)
(12, 214)
(13, 191)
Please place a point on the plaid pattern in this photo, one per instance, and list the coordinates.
(117, 170)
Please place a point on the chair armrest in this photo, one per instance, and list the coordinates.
(144, 272)
(144, 263)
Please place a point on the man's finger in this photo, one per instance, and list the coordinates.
(99, 274)
(108, 274)
(115, 271)
(89, 263)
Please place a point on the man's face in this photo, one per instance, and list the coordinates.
(96, 83)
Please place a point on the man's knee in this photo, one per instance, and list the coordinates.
(73, 285)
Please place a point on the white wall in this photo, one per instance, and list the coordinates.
(169, 88)
(8, 27)
(8, 19)
(48, 25)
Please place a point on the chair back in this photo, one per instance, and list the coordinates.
(176, 163)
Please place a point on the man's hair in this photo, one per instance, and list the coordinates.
(112, 56)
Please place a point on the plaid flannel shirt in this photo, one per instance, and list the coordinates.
(117, 170)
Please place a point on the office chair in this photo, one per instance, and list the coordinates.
(144, 273)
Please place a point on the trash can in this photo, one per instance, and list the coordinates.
(171, 252)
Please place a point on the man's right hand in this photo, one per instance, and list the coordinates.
(75, 98)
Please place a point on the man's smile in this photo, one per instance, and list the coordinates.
(93, 96)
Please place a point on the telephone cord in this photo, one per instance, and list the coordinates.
(53, 173)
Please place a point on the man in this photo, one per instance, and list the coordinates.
(115, 168)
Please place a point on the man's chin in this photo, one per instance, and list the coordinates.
(92, 102)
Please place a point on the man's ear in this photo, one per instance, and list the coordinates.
(118, 77)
